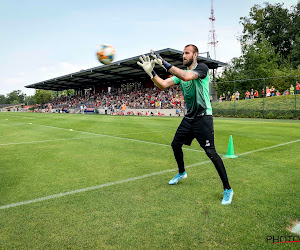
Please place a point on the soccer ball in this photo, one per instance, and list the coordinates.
(106, 53)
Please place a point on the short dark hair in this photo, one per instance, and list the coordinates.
(195, 49)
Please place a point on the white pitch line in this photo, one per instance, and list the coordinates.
(123, 181)
(117, 137)
(275, 146)
(143, 132)
(28, 142)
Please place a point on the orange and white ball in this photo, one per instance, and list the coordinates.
(106, 53)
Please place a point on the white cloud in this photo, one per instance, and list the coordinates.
(43, 69)
(21, 74)
(60, 69)
(9, 84)
(18, 81)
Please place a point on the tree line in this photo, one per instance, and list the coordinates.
(270, 46)
(40, 97)
(17, 97)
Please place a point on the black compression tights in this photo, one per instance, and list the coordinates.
(213, 156)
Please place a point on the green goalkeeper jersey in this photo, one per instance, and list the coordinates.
(196, 93)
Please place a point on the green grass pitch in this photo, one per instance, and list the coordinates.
(119, 168)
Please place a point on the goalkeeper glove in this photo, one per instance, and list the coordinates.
(147, 65)
(159, 60)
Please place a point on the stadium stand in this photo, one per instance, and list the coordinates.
(122, 82)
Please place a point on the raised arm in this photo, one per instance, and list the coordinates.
(199, 72)
(162, 84)
(184, 75)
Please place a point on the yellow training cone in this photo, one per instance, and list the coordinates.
(230, 150)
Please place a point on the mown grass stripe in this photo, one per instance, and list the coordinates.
(93, 188)
(124, 181)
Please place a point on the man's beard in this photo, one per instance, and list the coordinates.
(188, 63)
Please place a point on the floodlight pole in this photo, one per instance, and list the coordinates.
(212, 33)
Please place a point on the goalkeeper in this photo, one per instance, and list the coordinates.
(198, 121)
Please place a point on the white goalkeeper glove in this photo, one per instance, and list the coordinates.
(147, 65)
(159, 60)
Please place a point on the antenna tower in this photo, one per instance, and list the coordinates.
(212, 33)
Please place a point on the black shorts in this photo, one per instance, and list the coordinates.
(201, 128)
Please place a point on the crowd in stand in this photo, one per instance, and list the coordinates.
(268, 92)
(147, 98)
(151, 98)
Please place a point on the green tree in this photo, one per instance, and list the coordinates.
(270, 47)
(66, 92)
(15, 97)
(258, 60)
(2, 99)
(295, 51)
(30, 100)
(43, 96)
(273, 23)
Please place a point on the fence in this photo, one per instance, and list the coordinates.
(272, 97)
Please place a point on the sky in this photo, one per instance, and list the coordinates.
(41, 40)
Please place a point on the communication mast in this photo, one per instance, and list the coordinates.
(212, 33)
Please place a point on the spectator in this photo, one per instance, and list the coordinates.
(233, 97)
(124, 109)
(297, 87)
(255, 94)
(112, 110)
(292, 89)
(278, 93)
(268, 92)
(252, 93)
(272, 91)
(286, 92)
(223, 97)
(228, 98)
(263, 93)
(220, 98)
(237, 95)
(247, 94)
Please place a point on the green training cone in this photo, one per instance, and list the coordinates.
(230, 150)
